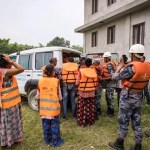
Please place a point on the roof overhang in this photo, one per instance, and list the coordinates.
(122, 11)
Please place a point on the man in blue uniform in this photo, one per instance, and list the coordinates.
(134, 77)
(110, 85)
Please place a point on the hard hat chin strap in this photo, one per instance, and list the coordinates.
(138, 56)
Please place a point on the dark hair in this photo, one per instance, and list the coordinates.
(70, 59)
(49, 69)
(144, 57)
(88, 62)
(82, 58)
(53, 59)
(3, 62)
(125, 58)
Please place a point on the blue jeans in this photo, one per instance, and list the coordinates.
(69, 91)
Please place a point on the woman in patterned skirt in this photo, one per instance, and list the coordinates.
(10, 107)
(86, 82)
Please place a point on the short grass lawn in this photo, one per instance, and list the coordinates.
(95, 137)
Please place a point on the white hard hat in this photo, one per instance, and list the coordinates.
(107, 54)
(137, 48)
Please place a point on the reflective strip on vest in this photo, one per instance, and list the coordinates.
(10, 95)
(9, 90)
(50, 109)
(11, 98)
(47, 100)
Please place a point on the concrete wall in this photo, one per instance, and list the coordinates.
(123, 35)
(103, 8)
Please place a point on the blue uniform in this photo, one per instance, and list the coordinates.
(129, 108)
(110, 87)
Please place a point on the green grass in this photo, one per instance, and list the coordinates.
(95, 137)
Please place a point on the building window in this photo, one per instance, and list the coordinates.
(111, 35)
(111, 2)
(94, 6)
(94, 39)
(138, 33)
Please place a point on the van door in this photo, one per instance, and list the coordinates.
(22, 78)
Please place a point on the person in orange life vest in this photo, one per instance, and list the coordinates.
(49, 95)
(10, 103)
(134, 76)
(109, 68)
(87, 82)
(69, 73)
(146, 90)
(119, 86)
(98, 92)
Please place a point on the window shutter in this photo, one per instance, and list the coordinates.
(138, 33)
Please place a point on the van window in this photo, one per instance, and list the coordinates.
(42, 59)
(26, 61)
(74, 55)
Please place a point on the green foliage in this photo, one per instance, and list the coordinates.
(58, 41)
(77, 47)
(8, 48)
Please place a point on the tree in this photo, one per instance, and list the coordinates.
(8, 48)
(57, 41)
(77, 47)
(4, 47)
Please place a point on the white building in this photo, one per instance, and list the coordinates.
(114, 25)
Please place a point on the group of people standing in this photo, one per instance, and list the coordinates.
(86, 81)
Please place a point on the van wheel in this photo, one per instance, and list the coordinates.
(32, 101)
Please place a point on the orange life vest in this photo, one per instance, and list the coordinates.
(69, 72)
(10, 95)
(49, 99)
(89, 79)
(106, 73)
(141, 77)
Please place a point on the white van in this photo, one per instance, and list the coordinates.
(33, 60)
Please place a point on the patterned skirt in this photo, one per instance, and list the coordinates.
(86, 111)
(51, 130)
(11, 125)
